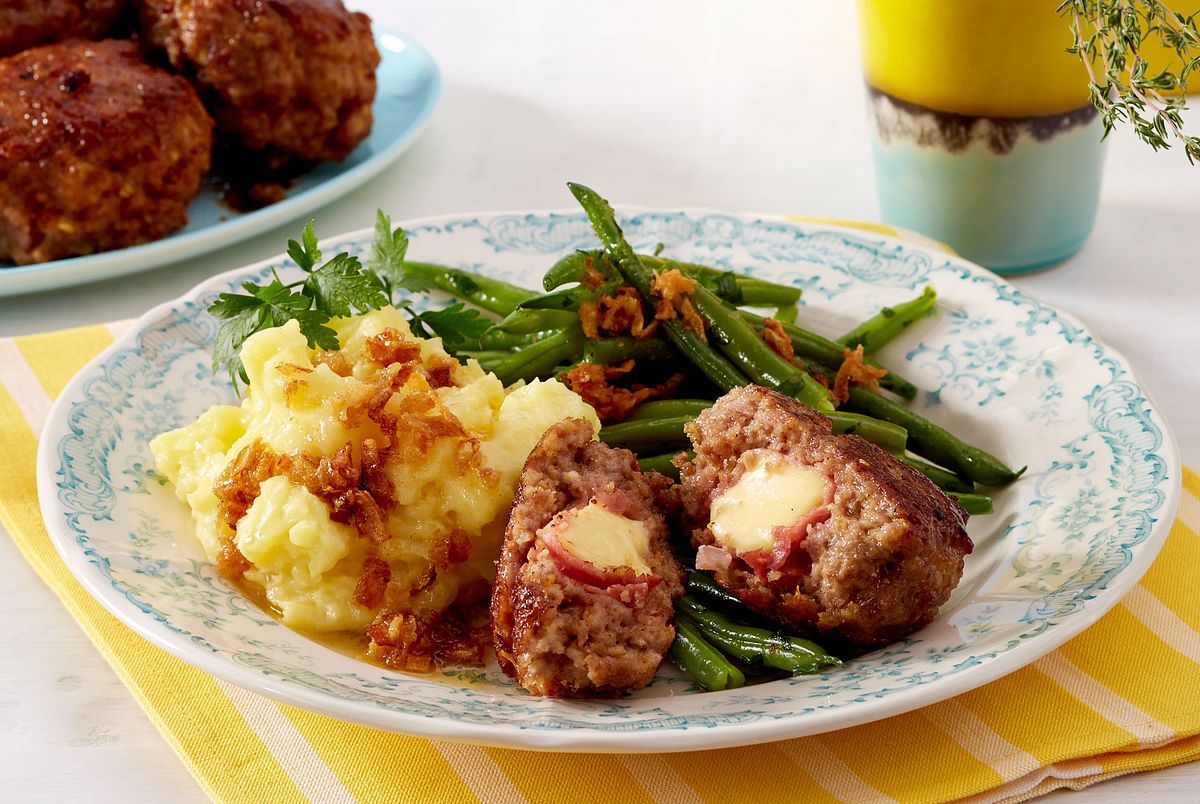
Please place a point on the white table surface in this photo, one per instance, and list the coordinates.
(754, 106)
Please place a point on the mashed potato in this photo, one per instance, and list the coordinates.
(364, 489)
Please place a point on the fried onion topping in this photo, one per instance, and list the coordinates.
(613, 403)
(854, 371)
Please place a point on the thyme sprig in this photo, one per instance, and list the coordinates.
(1108, 38)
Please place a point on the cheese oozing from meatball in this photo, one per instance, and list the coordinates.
(773, 491)
(605, 540)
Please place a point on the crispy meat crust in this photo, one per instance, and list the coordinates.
(29, 23)
(294, 79)
(877, 569)
(97, 150)
(554, 635)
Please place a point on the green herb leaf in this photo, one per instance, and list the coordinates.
(305, 254)
(387, 253)
(457, 326)
(341, 285)
(281, 304)
(243, 317)
(263, 307)
(334, 289)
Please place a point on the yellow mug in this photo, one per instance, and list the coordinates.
(982, 131)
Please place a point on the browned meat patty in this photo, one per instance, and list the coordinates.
(870, 565)
(28, 23)
(97, 150)
(292, 78)
(563, 626)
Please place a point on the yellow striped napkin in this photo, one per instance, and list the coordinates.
(1110, 715)
(1119, 698)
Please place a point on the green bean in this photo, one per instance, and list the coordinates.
(573, 268)
(751, 354)
(946, 481)
(493, 295)
(703, 663)
(649, 435)
(661, 464)
(739, 343)
(887, 436)
(756, 646)
(756, 293)
(570, 268)
(827, 353)
(488, 358)
(702, 587)
(498, 339)
(719, 370)
(974, 504)
(786, 314)
(674, 413)
(935, 443)
(669, 408)
(712, 364)
(744, 290)
(754, 289)
(561, 299)
(889, 322)
(614, 351)
(724, 284)
(702, 584)
(542, 357)
(705, 273)
(570, 298)
(524, 322)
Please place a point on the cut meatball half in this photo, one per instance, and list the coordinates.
(290, 81)
(585, 582)
(828, 534)
(98, 150)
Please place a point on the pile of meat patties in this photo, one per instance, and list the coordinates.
(111, 111)
(826, 535)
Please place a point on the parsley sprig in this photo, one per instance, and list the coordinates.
(339, 287)
(388, 253)
(458, 327)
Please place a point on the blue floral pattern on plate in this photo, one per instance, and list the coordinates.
(999, 367)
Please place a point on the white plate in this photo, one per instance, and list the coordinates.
(1003, 370)
(409, 85)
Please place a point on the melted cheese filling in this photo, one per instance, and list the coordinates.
(606, 540)
(771, 492)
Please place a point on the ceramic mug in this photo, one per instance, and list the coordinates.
(982, 132)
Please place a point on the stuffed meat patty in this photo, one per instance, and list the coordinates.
(582, 601)
(828, 534)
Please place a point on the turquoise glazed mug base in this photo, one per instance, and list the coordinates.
(1012, 194)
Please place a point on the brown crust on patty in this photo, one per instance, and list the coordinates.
(29, 23)
(877, 569)
(97, 150)
(555, 635)
(293, 80)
